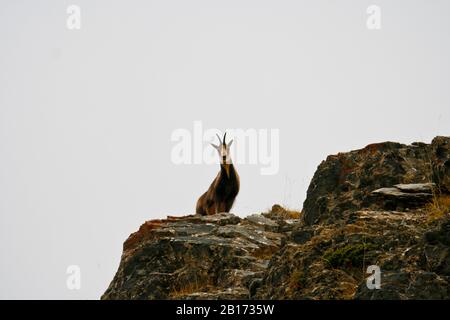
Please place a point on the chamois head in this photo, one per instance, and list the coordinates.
(224, 150)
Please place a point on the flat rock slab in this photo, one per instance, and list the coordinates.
(416, 187)
(416, 192)
(398, 194)
(221, 219)
(402, 196)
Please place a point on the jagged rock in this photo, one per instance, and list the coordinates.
(441, 163)
(331, 264)
(301, 236)
(407, 285)
(442, 235)
(195, 257)
(353, 217)
(344, 181)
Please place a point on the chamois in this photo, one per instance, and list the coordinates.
(225, 187)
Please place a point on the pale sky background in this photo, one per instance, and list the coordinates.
(86, 116)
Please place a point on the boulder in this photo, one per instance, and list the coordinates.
(345, 181)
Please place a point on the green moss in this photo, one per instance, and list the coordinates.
(351, 255)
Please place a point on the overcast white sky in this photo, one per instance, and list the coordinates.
(86, 116)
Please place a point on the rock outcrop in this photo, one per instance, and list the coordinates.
(441, 162)
(345, 181)
(385, 205)
(198, 257)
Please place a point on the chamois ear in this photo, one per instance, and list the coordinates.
(230, 143)
(215, 147)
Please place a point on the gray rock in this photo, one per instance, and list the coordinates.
(403, 196)
(301, 236)
(194, 257)
(262, 221)
(416, 187)
(344, 181)
(397, 194)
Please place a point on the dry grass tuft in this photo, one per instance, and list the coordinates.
(438, 207)
(186, 289)
(286, 213)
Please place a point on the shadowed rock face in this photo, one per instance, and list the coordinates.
(365, 207)
(345, 181)
(413, 257)
(441, 162)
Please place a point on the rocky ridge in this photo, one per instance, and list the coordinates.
(384, 205)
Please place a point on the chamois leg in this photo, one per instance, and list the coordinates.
(201, 211)
(200, 208)
(221, 207)
(228, 205)
(210, 210)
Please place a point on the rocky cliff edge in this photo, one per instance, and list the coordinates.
(386, 205)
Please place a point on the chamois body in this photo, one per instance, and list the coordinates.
(223, 190)
(221, 194)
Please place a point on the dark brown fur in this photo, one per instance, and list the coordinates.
(221, 194)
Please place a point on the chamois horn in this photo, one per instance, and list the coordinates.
(220, 140)
(218, 137)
